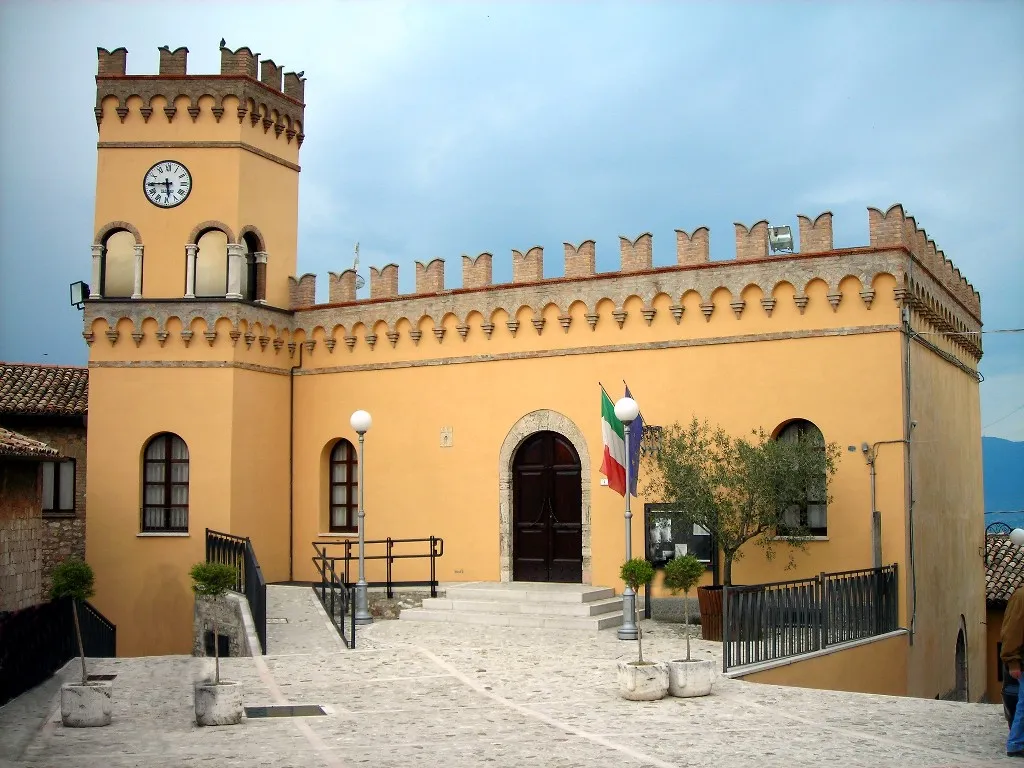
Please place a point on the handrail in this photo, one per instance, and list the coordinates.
(342, 600)
(351, 556)
(37, 641)
(764, 622)
(238, 551)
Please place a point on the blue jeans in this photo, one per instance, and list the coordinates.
(1015, 741)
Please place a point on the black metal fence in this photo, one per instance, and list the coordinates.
(345, 556)
(237, 551)
(338, 562)
(35, 642)
(764, 622)
(338, 599)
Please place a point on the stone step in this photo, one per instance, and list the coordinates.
(531, 607)
(601, 621)
(529, 591)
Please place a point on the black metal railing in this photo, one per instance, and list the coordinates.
(337, 562)
(764, 622)
(35, 642)
(345, 554)
(338, 599)
(237, 551)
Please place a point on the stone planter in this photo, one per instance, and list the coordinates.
(219, 704)
(86, 706)
(643, 682)
(690, 678)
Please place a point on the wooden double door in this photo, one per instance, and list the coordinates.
(547, 510)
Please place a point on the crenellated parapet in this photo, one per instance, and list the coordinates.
(384, 282)
(429, 276)
(894, 228)
(580, 260)
(926, 280)
(693, 249)
(270, 99)
(751, 243)
(476, 272)
(342, 286)
(528, 267)
(636, 255)
(816, 234)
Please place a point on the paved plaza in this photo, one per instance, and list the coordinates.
(424, 694)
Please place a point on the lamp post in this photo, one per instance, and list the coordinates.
(626, 410)
(361, 423)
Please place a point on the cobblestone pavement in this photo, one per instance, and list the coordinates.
(424, 694)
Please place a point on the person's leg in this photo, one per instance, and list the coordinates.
(1015, 741)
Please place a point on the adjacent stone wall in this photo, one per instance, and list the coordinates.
(230, 623)
(20, 535)
(62, 534)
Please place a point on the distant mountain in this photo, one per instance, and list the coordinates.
(1003, 466)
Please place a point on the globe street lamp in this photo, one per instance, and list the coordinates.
(1017, 536)
(361, 423)
(626, 410)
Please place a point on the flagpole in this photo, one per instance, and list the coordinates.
(626, 410)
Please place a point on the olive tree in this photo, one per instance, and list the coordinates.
(740, 489)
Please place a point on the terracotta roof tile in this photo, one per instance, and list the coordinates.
(44, 390)
(1005, 569)
(18, 446)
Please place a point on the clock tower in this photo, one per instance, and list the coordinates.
(197, 179)
(189, 326)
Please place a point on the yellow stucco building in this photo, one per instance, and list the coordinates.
(220, 392)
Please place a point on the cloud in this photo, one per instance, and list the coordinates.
(442, 129)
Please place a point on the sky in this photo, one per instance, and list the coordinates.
(435, 129)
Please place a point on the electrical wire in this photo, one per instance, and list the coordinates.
(1004, 418)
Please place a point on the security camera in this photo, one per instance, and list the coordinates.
(864, 447)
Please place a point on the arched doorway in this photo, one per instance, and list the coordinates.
(961, 693)
(547, 510)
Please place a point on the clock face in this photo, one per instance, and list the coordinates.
(167, 184)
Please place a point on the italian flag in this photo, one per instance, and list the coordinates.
(613, 465)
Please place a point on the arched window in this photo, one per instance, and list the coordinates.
(165, 485)
(212, 264)
(248, 276)
(811, 514)
(344, 487)
(118, 274)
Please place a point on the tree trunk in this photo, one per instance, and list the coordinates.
(78, 636)
(216, 645)
(686, 626)
(727, 576)
(639, 632)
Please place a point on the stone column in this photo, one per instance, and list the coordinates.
(137, 288)
(97, 272)
(191, 251)
(261, 277)
(236, 263)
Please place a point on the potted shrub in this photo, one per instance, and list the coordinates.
(687, 677)
(640, 680)
(86, 704)
(218, 702)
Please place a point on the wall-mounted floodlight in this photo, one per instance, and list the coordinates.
(79, 293)
(780, 239)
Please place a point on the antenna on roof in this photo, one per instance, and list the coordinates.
(355, 268)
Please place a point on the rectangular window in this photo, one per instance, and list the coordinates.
(59, 487)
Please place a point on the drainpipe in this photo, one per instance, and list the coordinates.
(291, 466)
(870, 455)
